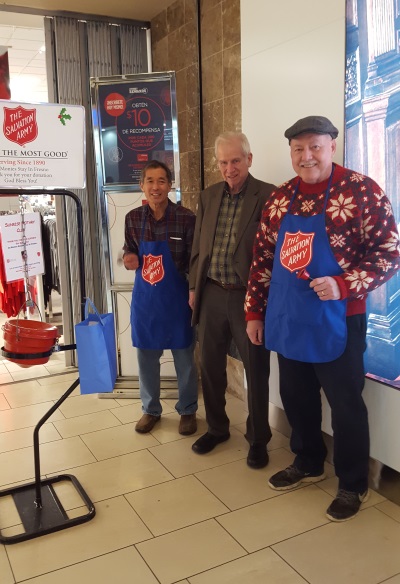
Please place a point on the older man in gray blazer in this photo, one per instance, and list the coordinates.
(227, 219)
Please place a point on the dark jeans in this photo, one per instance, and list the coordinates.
(221, 320)
(342, 381)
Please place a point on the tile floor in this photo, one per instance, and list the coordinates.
(166, 515)
(10, 372)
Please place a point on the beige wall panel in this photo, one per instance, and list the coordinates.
(270, 24)
(293, 69)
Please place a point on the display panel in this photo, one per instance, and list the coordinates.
(42, 145)
(372, 147)
(137, 123)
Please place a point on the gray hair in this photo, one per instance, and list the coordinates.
(231, 137)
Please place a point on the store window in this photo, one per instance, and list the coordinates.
(372, 148)
(22, 38)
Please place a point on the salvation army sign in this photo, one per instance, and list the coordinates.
(296, 251)
(153, 269)
(42, 145)
(20, 125)
(14, 249)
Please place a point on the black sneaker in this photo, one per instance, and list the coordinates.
(292, 477)
(346, 505)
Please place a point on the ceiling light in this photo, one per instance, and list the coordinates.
(23, 86)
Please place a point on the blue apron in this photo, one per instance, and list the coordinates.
(299, 325)
(160, 313)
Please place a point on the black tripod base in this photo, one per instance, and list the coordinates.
(51, 515)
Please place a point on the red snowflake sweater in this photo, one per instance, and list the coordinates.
(361, 230)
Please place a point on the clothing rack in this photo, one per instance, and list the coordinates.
(39, 279)
(37, 503)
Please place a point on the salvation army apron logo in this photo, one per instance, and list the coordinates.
(296, 250)
(153, 268)
(20, 125)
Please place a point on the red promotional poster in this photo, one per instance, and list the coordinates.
(296, 251)
(136, 125)
(153, 269)
(5, 92)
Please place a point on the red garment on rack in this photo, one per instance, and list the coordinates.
(12, 294)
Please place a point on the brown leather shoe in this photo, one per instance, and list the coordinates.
(188, 425)
(146, 423)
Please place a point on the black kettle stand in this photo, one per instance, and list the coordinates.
(37, 503)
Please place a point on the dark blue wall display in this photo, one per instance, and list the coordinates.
(372, 147)
(135, 119)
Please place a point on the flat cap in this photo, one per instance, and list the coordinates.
(312, 125)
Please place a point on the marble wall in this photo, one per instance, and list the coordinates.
(175, 47)
(221, 66)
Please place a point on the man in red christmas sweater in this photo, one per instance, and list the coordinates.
(326, 238)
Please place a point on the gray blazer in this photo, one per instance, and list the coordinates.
(257, 193)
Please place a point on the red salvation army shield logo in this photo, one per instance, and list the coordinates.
(153, 269)
(296, 251)
(20, 125)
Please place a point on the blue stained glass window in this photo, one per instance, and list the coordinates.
(372, 147)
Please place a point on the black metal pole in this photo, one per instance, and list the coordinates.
(38, 499)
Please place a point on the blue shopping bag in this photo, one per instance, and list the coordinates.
(96, 349)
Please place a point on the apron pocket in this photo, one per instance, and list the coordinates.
(305, 306)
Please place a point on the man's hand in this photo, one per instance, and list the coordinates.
(131, 261)
(255, 331)
(327, 288)
(191, 299)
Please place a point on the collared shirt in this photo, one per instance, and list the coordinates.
(221, 264)
(180, 231)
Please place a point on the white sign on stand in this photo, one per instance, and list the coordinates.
(13, 246)
(42, 145)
